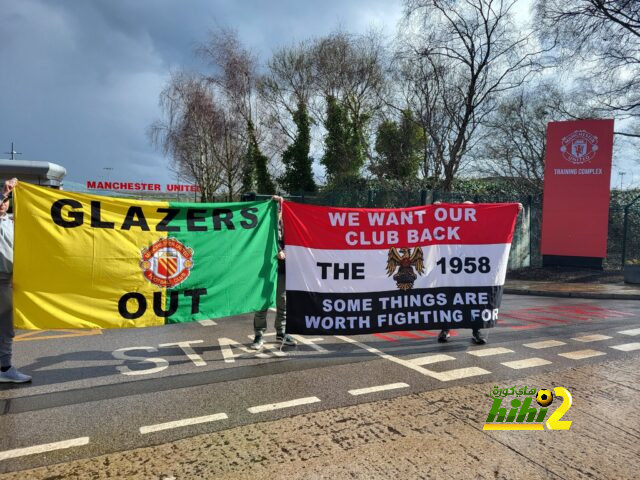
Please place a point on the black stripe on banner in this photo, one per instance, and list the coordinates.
(313, 313)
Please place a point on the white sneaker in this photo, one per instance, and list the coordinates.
(286, 339)
(258, 343)
(14, 376)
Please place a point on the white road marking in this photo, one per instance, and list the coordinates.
(207, 323)
(188, 351)
(592, 338)
(442, 376)
(429, 359)
(526, 363)
(458, 373)
(311, 342)
(276, 406)
(485, 352)
(633, 332)
(122, 354)
(272, 334)
(544, 344)
(627, 347)
(379, 388)
(182, 423)
(580, 354)
(45, 447)
(226, 345)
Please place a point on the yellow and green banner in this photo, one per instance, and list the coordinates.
(89, 261)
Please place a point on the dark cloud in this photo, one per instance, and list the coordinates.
(80, 79)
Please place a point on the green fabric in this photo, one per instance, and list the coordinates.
(237, 266)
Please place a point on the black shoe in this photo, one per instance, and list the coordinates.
(286, 339)
(443, 336)
(477, 338)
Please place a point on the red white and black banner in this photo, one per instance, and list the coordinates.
(354, 270)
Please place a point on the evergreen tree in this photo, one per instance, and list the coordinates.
(248, 172)
(398, 147)
(298, 176)
(255, 171)
(345, 143)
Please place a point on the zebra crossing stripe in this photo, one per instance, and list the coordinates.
(591, 338)
(580, 354)
(627, 347)
(487, 352)
(431, 359)
(544, 344)
(526, 363)
(633, 332)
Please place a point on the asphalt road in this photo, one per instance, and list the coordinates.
(100, 392)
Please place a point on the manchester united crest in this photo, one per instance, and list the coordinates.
(167, 262)
(405, 261)
(579, 147)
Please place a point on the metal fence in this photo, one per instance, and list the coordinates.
(624, 218)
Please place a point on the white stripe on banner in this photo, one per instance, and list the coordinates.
(461, 265)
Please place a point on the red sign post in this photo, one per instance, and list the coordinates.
(577, 176)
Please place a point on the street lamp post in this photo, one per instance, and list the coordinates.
(107, 175)
(13, 152)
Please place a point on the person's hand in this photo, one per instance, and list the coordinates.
(519, 207)
(467, 202)
(8, 187)
(281, 255)
(277, 198)
(437, 202)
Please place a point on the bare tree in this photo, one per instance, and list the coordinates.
(599, 40)
(204, 141)
(417, 95)
(514, 135)
(340, 66)
(288, 83)
(350, 69)
(235, 70)
(460, 56)
(234, 78)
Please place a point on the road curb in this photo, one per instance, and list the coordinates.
(593, 295)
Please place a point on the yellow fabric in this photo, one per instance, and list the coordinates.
(73, 277)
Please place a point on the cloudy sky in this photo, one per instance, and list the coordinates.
(80, 79)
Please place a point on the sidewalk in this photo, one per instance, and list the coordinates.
(434, 434)
(617, 291)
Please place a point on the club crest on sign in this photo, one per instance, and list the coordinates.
(405, 261)
(167, 262)
(579, 147)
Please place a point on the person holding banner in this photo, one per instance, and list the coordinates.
(260, 317)
(8, 373)
(476, 336)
